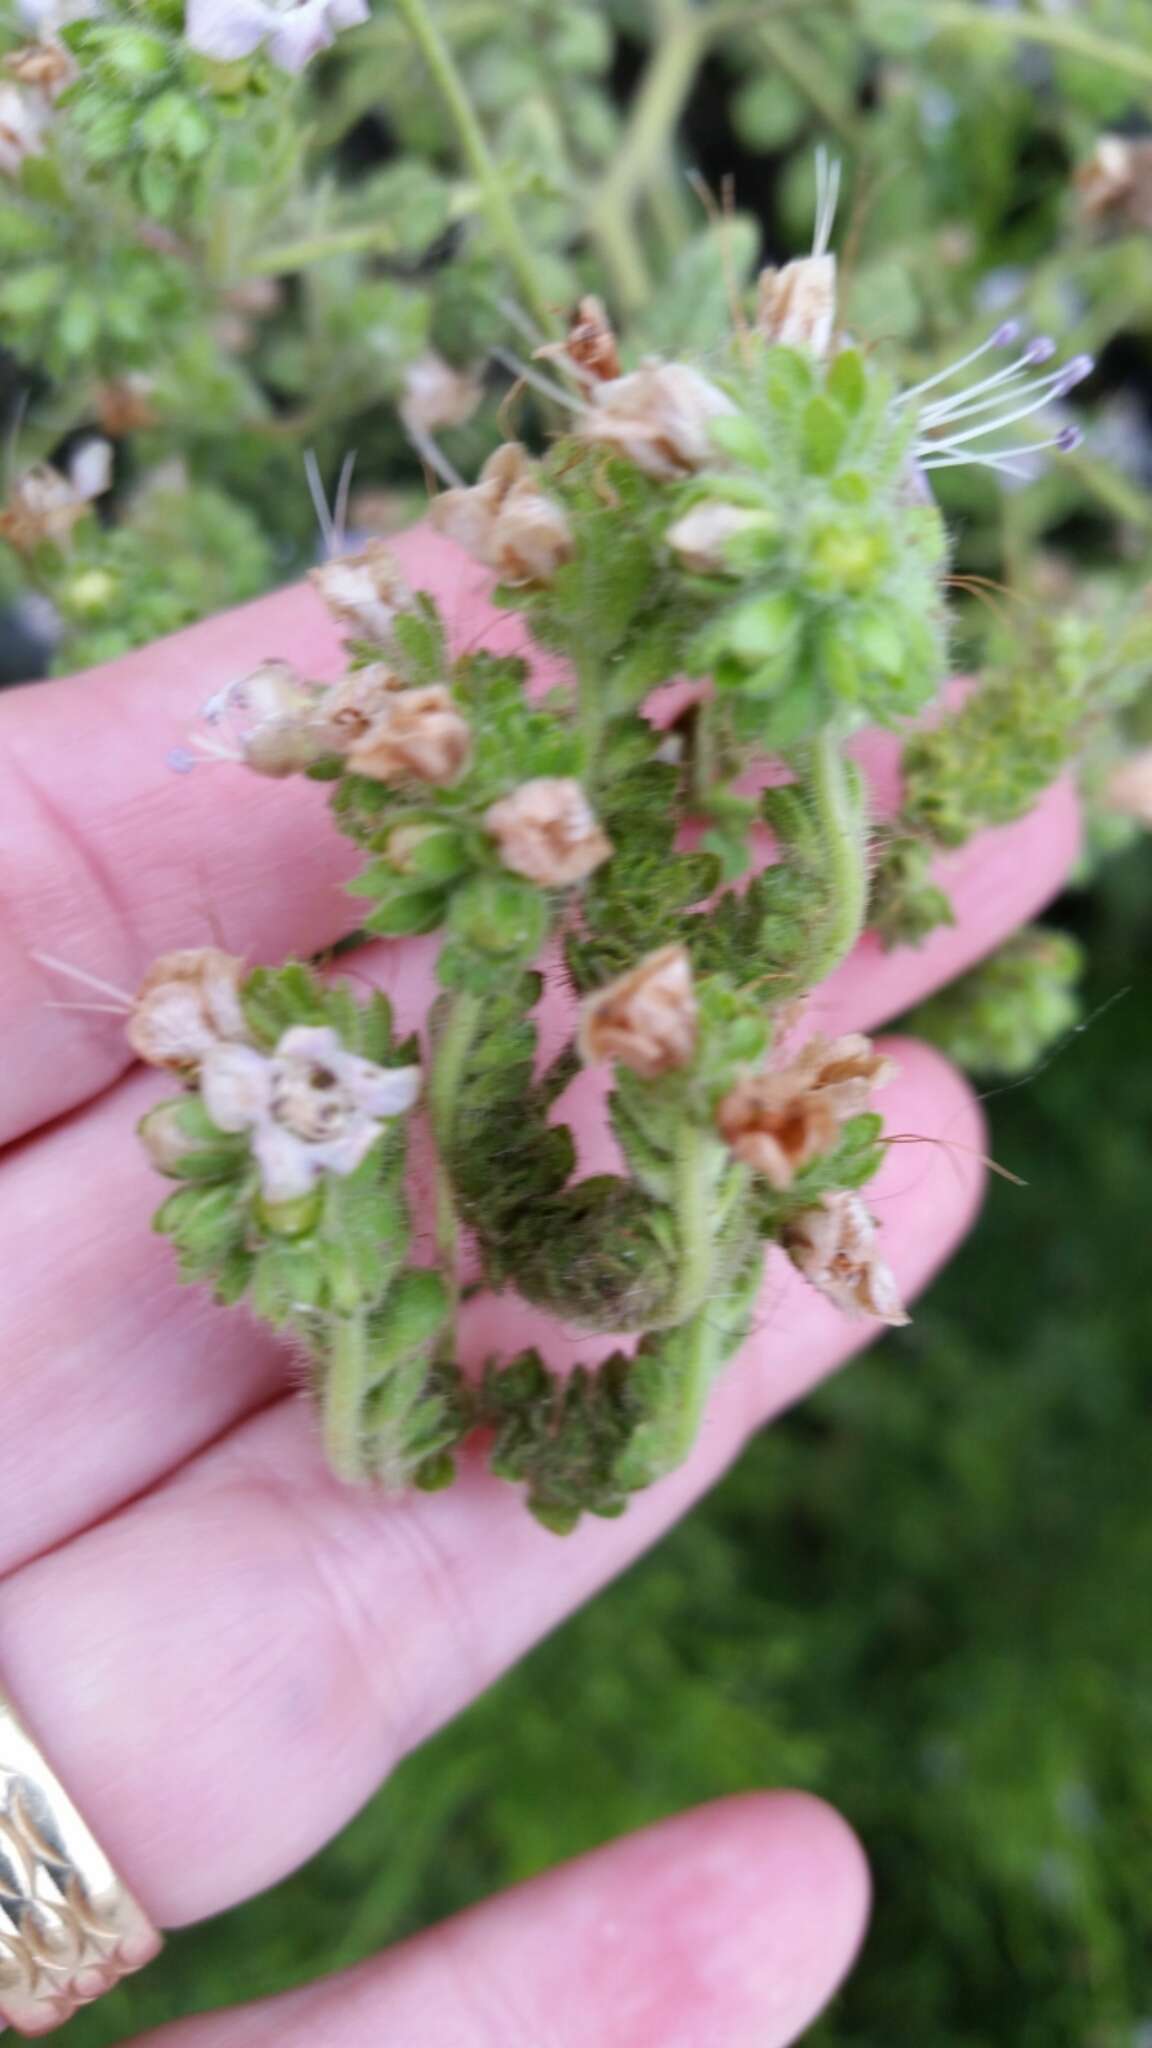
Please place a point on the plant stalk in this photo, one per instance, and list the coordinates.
(344, 1390)
(835, 794)
(497, 207)
(453, 1045)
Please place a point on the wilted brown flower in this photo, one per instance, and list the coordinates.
(590, 346)
(46, 65)
(1115, 184)
(187, 1002)
(778, 1122)
(350, 708)
(44, 504)
(834, 1246)
(435, 395)
(419, 735)
(364, 591)
(659, 417)
(796, 306)
(647, 1018)
(548, 831)
(506, 521)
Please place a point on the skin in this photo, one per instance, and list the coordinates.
(224, 1652)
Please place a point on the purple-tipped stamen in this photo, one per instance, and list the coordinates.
(1041, 350)
(181, 761)
(1068, 438)
(961, 404)
(1074, 373)
(1004, 459)
(1004, 336)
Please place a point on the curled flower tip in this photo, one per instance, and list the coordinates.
(658, 417)
(435, 395)
(291, 31)
(548, 831)
(834, 1246)
(364, 591)
(267, 721)
(187, 1003)
(701, 537)
(647, 1019)
(590, 349)
(506, 520)
(796, 306)
(312, 1107)
(417, 736)
(778, 1122)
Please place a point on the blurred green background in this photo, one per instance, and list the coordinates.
(924, 1595)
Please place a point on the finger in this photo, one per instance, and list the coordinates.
(108, 858)
(95, 1302)
(251, 1646)
(733, 1924)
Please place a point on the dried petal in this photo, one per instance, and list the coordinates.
(506, 521)
(187, 1004)
(834, 1246)
(647, 1018)
(590, 348)
(796, 306)
(1115, 184)
(701, 536)
(778, 1122)
(419, 735)
(548, 831)
(25, 113)
(364, 591)
(659, 417)
(46, 65)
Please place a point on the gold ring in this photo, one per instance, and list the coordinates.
(69, 1930)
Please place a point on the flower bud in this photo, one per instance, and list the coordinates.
(646, 1019)
(778, 1122)
(658, 417)
(364, 591)
(796, 306)
(506, 521)
(548, 831)
(420, 735)
(834, 1245)
(702, 536)
(187, 1003)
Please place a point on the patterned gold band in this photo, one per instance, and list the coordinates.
(68, 1928)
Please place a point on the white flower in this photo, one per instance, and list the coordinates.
(701, 535)
(292, 31)
(312, 1106)
(364, 591)
(435, 395)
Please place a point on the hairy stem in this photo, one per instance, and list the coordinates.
(453, 1045)
(834, 791)
(699, 1157)
(344, 1389)
(498, 209)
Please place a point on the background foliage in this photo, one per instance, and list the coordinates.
(924, 1595)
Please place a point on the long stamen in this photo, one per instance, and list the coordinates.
(827, 200)
(430, 452)
(1039, 351)
(1049, 388)
(1003, 337)
(1002, 458)
(527, 375)
(92, 1009)
(81, 974)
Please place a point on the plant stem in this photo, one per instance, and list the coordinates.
(699, 1158)
(834, 792)
(293, 256)
(804, 68)
(656, 109)
(497, 207)
(453, 1045)
(344, 1388)
(1056, 32)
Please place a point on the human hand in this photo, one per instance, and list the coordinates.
(222, 1650)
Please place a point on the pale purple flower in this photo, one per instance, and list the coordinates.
(291, 31)
(312, 1107)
